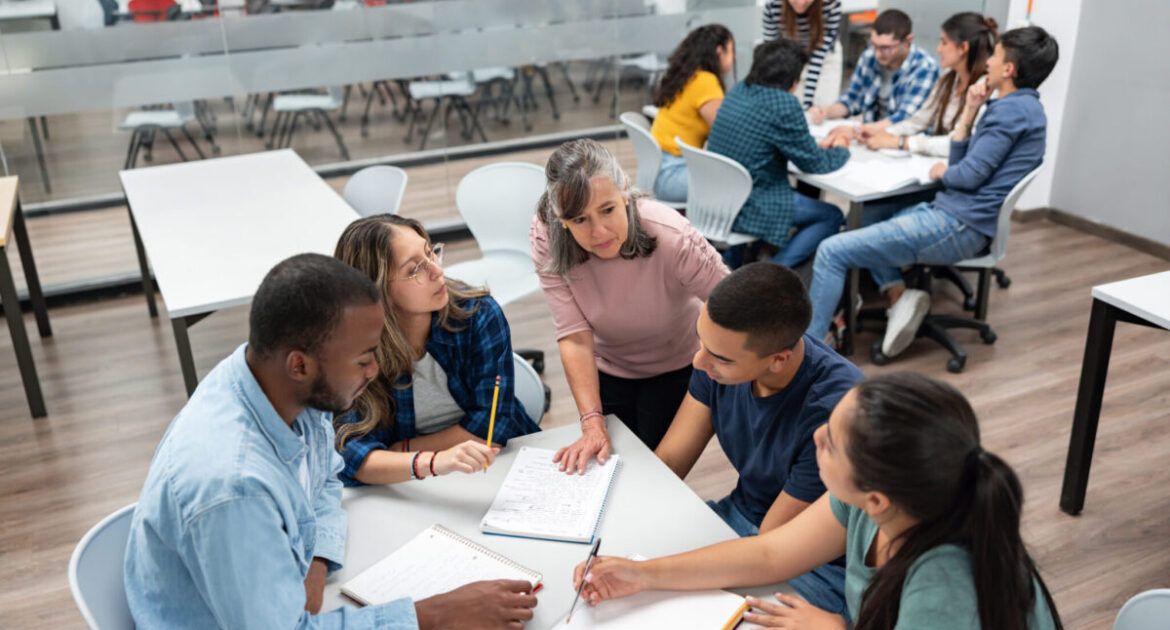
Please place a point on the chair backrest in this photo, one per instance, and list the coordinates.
(498, 202)
(376, 190)
(528, 387)
(95, 573)
(646, 150)
(1003, 227)
(717, 188)
(1145, 611)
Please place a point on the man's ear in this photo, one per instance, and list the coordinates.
(299, 366)
(779, 360)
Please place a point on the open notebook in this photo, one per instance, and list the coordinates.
(537, 500)
(887, 174)
(701, 610)
(435, 561)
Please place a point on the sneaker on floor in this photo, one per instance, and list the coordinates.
(905, 316)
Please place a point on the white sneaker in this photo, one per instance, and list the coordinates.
(905, 316)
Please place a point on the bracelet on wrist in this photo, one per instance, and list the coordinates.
(431, 466)
(591, 414)
(413, 468)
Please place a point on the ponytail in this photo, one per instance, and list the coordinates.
(916, 440)
(979, 33)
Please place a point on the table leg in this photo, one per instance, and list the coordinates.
(143, 266)
(186, 359)
(1094, 368)
(40, 151)
(24, 358)
(35, 296)
(852, 285)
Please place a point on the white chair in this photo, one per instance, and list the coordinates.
(95, 573)
(646, 152)
(1145, 611)
(498, 202)
(290, 108)
(529, 388)
(987, 265)
(144, 124)
(376, 190)
(454, 92)
(717, 188)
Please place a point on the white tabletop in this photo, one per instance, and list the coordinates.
(650, 512)
(840, 184)
(1147, 297)
(214, 228)
(27, 9)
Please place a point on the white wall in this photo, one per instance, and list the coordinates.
(1061, 19)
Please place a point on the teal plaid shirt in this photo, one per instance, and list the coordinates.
(763, 128)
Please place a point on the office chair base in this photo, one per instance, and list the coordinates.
(937, 329)
(535, 357)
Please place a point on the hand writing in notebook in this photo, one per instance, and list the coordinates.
(490, 605)
(610, 578)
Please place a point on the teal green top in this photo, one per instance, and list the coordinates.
(939, 592)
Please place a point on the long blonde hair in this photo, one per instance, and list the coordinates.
(367, 245)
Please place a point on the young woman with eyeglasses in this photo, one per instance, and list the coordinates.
(442, 346)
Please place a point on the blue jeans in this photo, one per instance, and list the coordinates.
(920, 234)
(671, 183)
(823, 587)
(814, 220)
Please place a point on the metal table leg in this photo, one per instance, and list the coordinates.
(35, 296)
(143, 266)
(852, 284)
(183, 343)
(24, 358)
(40, 151)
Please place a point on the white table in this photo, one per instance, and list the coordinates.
(651, 512)
(858, 194)
(212, 229)
(1145, 301)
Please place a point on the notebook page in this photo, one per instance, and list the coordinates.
(702, 610)
(538, 499)
(892, 173)
(430, 564)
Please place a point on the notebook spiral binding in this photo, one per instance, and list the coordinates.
(467, 542)
(605, 503)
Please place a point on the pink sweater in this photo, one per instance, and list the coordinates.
(642, 312)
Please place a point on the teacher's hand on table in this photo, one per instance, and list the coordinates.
(468, 457)
(610, 578)
(594, 442)
(791, 612)
(488, 605)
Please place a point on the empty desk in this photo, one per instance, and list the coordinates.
(1145, 301)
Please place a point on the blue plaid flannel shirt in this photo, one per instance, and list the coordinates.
(471, 357)
(912, 84)
(763, 128)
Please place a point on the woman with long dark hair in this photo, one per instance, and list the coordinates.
(815, 25)
(688, 97)
(443, 344)
(966, 43)
(928, 522)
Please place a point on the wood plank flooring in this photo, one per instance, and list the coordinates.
(111, 380)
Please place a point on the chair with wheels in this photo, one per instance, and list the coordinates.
(95, 573)
(376, 190)
(717, 188)
(532, 393)
(937, 327)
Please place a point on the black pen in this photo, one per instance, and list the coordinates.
(588, 565)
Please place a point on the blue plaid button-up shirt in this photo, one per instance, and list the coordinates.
(763, 128)
(471, 358)
(912, 83)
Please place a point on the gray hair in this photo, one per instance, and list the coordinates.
(567, 191)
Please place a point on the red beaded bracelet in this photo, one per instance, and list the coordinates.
(413, 470)
(432, 464)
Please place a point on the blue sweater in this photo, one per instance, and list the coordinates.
(1007, 145)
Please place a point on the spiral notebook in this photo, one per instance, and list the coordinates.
(537, 500)
(435, 561)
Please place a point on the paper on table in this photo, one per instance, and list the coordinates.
(702, 610)
(823, 129)
(538, 500)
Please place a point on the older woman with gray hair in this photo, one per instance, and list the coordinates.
(625, 277)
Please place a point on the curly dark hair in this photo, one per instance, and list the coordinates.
(698, 51)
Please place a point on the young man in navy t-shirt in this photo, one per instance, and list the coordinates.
(761, 386)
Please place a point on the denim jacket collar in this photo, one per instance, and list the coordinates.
(288, 446)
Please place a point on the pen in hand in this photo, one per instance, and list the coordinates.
(588, 565)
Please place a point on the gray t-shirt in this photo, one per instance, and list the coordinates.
(434, 408)
(939, 591)
(883, 107)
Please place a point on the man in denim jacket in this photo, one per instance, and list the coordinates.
(240, 518)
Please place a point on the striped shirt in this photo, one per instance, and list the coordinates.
(831, 18)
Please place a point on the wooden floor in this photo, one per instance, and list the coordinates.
(111, 379)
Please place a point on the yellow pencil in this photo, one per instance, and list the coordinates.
(492, 419)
